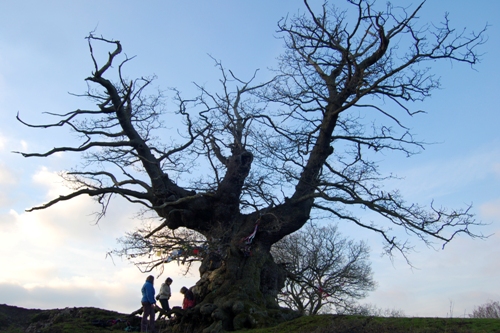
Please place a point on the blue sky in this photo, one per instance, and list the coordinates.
(57, 257)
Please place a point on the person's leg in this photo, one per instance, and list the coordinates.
(168, 308)
(164, 304)
(151, 319)
(146, 309)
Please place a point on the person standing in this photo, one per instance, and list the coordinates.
(148, 305)
(165, 294)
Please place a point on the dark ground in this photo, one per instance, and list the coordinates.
(14, 319)
(78, 320)
(15, 316)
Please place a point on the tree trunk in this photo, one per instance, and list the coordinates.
(238, 289)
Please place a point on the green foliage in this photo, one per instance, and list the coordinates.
(11, 329)
(4, 320)
(44, 315)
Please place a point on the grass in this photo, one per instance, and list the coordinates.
(355, 324)
(80, 320)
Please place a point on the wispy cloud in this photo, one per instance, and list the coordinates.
(491, 209)
(57, 257)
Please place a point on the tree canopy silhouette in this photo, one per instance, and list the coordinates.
(256, 160)
(325, 270)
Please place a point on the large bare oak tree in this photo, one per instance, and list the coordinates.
(271, 154)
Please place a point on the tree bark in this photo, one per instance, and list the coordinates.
(238, 289)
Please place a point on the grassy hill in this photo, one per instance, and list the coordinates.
(359, 324)
(76, 320)
(16, 320)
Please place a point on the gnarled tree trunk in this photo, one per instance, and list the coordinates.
(238, 286)
(239, 291)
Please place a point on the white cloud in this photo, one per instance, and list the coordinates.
(115, 287)
(52, 181)
(35, 229)
(464, 273)
(24, 145)
(445, 177)
(75, 217)
(57, 257)
(8, 181)
(467, 270)
(7, 176)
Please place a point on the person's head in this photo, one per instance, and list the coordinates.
(150, 278)
(168, 281)
(183, 290)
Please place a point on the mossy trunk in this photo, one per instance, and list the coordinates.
(237, 290)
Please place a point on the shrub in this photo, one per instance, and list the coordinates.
(488, 310)
(371, 310)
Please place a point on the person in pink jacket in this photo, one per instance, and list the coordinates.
(189, 300)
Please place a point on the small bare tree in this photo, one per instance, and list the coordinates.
(372, 310)
(324, 270)
(490, 309)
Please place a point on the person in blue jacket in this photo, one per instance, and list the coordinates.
(148, 305)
